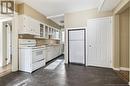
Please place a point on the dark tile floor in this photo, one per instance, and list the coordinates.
(64, 75)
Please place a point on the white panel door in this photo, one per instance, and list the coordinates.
(99, 42)
(76, 46)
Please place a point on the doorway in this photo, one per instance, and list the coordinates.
(6, 46)
(77, 46)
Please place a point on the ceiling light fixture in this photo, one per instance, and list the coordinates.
(101, 5)
(51, 17)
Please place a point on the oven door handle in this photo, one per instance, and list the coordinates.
(37, 50)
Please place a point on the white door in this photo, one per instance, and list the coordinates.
(99, 42)
(77, 46)
(6, 42)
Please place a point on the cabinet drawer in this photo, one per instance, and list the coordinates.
(37, 55)
(38, 65)
(38, 58)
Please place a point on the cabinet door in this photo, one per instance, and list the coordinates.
(58, 51)
(24, 25)
(46, 32)
(35, 26)
(54, 34)
(50, 31)
(42, 30)
(49, 54)
(28, 25)
(52, 53)
(57, 34)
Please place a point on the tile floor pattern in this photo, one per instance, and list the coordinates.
(124, 75)
(64, 75)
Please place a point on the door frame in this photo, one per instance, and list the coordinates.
(15, 27)
(84, 29)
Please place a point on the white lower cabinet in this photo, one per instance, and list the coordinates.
(53, 52)
(37, 65)
(32, 59)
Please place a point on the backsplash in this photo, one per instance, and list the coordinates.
(47, 41)
(40, 41)
(26, 36)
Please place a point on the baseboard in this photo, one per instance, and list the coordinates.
(124, 69)
(117, 69)
(121, 68)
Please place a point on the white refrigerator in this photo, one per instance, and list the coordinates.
(76, 46)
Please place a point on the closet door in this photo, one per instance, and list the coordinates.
(100, 42)
(77, 46)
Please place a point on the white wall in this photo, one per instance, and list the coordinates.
(15, 27)
(79, 19)
(1, 45)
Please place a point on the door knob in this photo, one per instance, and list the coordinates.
(90, 45)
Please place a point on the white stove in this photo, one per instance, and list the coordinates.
(31, 57)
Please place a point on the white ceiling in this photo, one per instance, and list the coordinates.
(109, 5)
(56, 7)
(53, 8)
(59, 20)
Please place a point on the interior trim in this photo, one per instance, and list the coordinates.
(121, 68)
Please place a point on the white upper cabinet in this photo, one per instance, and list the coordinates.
(42, 30)
(46, 32)
(31, 26)
(35, 26)
(28, 25)
(50, 30)
(56, 34)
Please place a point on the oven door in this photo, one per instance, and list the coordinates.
(37, 55)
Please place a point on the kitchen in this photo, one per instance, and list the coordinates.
(39, 43)
(59, 43)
